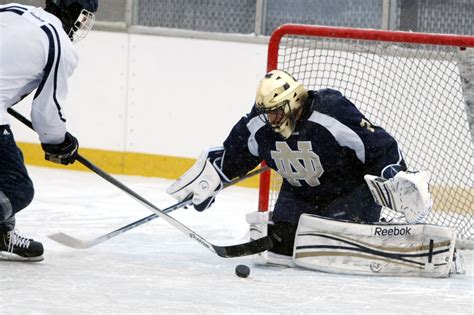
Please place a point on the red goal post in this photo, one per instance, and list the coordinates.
(418, 86)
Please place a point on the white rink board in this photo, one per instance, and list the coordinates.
(186, 94)
(156, 94)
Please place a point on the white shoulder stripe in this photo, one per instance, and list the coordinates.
(345, 136)
(253, 126)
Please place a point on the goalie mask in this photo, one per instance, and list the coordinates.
(77, 16)
(278, 101)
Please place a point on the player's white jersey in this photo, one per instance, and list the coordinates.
(35, 53)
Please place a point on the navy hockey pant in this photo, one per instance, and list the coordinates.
(357, 206)
(16, 187)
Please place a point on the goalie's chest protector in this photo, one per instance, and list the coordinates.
(322, 154)
(331, 149)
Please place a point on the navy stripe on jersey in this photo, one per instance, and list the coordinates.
(49, 63)
(52, 58)
(15, 9)
(58, 106)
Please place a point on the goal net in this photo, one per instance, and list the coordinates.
(419, 87)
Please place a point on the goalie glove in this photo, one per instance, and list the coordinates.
(202, 182)
(407, 193)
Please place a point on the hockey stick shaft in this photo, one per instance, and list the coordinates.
(20, 117)
(70, 241)
(249, 248)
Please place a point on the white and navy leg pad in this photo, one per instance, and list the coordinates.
(416, 250)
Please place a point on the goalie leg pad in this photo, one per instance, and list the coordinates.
(258, 223)
(334, 246)
(258, 227)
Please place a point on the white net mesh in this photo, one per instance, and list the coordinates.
(415, 92)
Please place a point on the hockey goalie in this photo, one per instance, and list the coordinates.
(338, 171)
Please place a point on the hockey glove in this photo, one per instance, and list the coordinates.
(407, 193)
(202, 182)
(62, 153)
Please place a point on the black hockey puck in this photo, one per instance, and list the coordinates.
(242, 271)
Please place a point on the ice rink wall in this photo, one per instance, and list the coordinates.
(160, 80)
(147, 105)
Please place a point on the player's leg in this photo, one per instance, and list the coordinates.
(281, 226)
(357, 206)
(16, 192)
(284, 221)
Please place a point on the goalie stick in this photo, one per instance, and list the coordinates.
(244, 249)
(72, 242)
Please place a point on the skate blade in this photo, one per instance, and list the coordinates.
(7, 256)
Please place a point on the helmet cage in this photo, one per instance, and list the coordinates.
(81, 26)
(275, 116)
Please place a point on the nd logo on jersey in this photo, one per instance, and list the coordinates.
(302, 164)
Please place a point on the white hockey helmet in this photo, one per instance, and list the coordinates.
(279, 99)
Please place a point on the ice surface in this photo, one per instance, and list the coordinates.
(155, 269)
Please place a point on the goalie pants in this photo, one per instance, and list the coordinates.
(16, 187)
(357, 206)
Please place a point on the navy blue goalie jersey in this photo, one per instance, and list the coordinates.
(331, 149)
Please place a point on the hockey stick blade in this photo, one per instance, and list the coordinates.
(245, 249)
(70, 241)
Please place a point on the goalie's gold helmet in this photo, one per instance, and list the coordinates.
(279, 99)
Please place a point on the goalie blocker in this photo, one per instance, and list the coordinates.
(379, 249)
(203, 181)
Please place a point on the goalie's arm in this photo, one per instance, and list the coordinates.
(238, 159)
(384, 168)
(392, 185)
